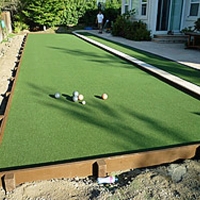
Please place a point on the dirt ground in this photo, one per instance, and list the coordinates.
(180, 180)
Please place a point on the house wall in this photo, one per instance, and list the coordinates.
(151, 17)
(188, 20)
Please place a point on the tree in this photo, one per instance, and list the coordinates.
(42, 12)
(9, 5)
(89, 16)
(73, 11)
(55, 12)
(114, 4)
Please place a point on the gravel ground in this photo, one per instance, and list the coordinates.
(180, 180)
(168, 182)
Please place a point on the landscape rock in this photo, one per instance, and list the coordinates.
(178, 173)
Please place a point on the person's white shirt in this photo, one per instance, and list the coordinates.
(100, 17)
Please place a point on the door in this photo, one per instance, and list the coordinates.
(163, 15)
(176, 15)
(169, 15)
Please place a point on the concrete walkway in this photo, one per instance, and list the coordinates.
(174, 51)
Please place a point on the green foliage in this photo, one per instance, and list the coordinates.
(72, 11)
(91, 5)
(114, 4)
(67, 13)
(112, 9)
(197, 25)
(129, 13)
(189, 29)
(91, 11)
(119, 27)
(56, 12)
(7, 4)
(139, 31)
(42, 12)
(89, 17)
(20, 26)
(136, 30)
(192, 29)
(111, 14)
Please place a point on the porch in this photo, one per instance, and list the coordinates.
(170, 38)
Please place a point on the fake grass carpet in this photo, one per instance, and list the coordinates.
(141, 112)
(184, 72)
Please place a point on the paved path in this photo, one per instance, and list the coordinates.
(176, 52)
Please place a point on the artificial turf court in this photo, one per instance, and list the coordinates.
(142, 113)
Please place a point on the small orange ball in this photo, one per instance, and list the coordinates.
(104, 96)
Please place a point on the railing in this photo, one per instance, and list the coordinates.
(193, 40)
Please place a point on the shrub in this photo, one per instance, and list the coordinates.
(140, 32)
(197, 25)
(89, 18)
(185, 30)
(119, 26)
(192, 29)
(19, 26)
(111, 14)
(136, 30)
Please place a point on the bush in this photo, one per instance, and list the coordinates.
(136, 30)
(19, 26)
(111, 14)
(89, 18)
(185, 30)
(197, 25)
(119, 27)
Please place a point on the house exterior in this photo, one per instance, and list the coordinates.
(164, 16)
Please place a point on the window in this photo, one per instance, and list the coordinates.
(126, 6)
(144, 8)
(194, 7)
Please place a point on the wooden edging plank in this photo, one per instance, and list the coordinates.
(112, 164)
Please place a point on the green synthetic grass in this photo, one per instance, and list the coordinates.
(189, 74)
(141, 112)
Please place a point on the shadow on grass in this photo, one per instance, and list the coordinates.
(196, 113)
(93, 56)
(98, 97)
(186, 73)
(182, 71)
(68, 97)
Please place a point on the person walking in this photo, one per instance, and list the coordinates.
(99, 20)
